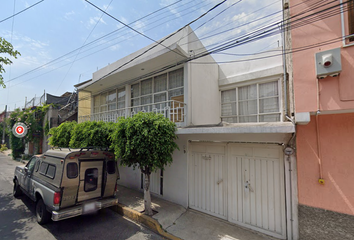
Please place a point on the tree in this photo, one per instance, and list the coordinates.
(7, 48)
(146, 141)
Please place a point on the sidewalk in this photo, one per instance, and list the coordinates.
(175, 222)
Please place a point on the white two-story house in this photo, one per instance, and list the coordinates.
(232, 129)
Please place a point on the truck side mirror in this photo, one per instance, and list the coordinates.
(26, 169)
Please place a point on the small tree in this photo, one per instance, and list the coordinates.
(7, 48)
(146, 141)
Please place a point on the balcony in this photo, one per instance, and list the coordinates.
(173, 110)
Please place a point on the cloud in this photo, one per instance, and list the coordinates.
(236, 21)
(165, 3)
(107, 7)
(68, 15)
(93, 20)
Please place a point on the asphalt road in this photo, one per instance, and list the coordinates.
(17, 218)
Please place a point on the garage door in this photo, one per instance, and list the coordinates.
(243, 183)
(207, 176)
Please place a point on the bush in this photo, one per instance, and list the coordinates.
(61, 135)
(17, 146)
(92, 134)
(3, 148)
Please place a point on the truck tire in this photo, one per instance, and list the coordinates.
(17, 190)
(43, 216)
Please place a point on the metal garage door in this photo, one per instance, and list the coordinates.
(243, 183)
(207, 176)
(256, 187)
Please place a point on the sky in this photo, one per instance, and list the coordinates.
(62, 43)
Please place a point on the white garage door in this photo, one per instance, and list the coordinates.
(207, 172)
(246, 187)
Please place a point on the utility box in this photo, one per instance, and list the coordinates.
(328, 63)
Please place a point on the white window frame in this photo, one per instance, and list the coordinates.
(106, 104)
(248, 83)
(345, 27)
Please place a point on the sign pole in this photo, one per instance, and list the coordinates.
(4, 127)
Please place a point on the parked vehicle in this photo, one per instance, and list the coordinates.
(65, 183)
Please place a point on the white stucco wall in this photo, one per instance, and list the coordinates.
(203, 95)
(175, 188)
(254, 67)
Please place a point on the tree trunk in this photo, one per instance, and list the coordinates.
(147, 196)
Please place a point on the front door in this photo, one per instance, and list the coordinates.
(91, 176)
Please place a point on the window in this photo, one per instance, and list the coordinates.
(111, 167)
(91, 179)
(47, 170)
(43, 168)
(252, 103)
(112, 100)
(351, 19)
(153, 94)
(51, 171)
(72, 170)
(30, 165)
(109, 101)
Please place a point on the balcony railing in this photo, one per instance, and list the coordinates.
(173, 110)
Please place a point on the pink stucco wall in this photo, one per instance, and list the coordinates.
(336, 93)
(336, 130)
(337, 147)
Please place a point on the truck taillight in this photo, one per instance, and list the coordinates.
(56, 200)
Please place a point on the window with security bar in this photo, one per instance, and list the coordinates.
(251, 103)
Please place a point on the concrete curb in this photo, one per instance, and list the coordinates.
(136, 216)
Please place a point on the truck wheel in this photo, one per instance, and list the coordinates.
(17, 190)
(43, 216)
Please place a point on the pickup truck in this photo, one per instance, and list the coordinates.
(65, 183)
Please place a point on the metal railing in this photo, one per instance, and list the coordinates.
(173, 110)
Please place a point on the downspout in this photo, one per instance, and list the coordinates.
(291, 235)
(285, 6)
(320, 180)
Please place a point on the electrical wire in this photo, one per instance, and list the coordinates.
(133, 29)
(72, 63)
(20, 11)
(90, 43)
(243, 41)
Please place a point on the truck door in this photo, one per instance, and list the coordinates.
(27, 177)
(90, 186)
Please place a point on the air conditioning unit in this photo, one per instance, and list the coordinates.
(328, 63)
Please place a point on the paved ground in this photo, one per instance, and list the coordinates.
(17, 219)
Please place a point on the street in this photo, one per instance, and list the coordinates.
(17, 218)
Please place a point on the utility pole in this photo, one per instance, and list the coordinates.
(4, 124)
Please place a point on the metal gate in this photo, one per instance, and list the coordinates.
(243, 183)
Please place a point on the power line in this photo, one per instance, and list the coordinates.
(131, 28)
(21, 11)
(72, 63)
(96, 40)
(149, 49)
(258, 37)
(83, 51)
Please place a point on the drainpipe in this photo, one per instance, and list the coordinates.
(285, 6)
(321, 181)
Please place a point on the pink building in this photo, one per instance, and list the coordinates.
(322, 43)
